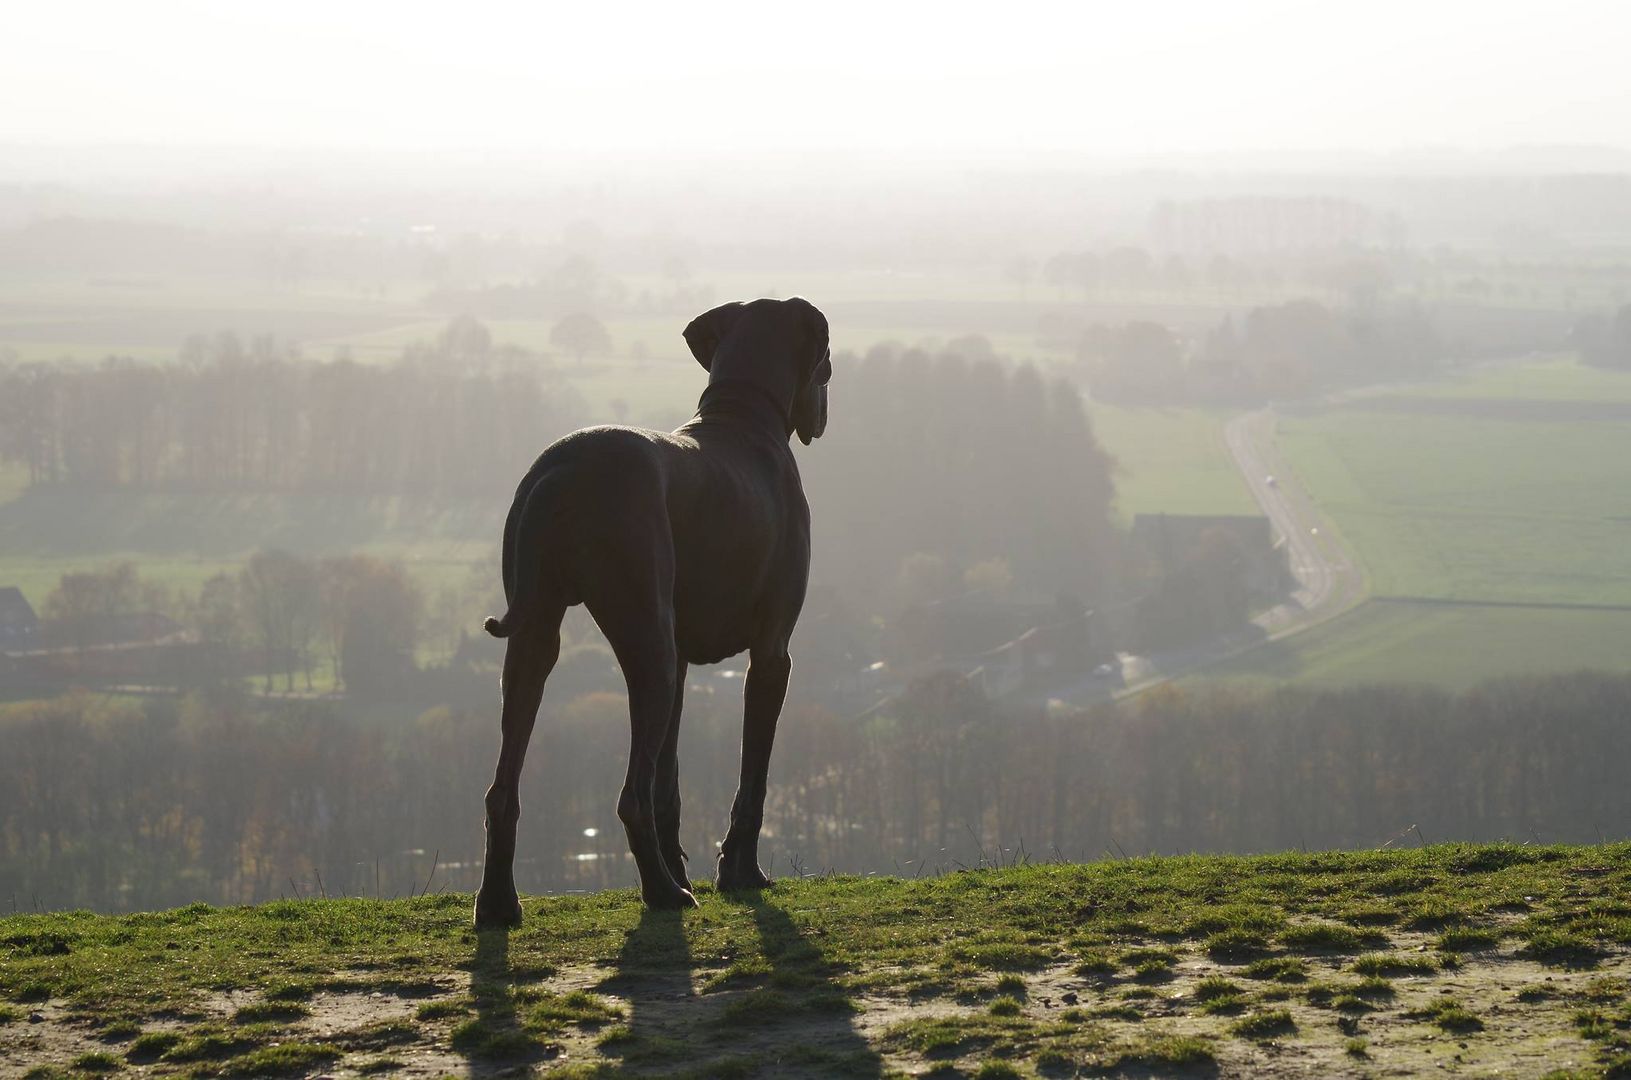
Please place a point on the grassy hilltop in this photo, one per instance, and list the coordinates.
(1480, 960)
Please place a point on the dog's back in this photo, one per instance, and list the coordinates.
(609, 489)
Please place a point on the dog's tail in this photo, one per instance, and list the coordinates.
(522, 536)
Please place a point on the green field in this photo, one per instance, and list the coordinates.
(1454, 647)
(1532, 514)
(1493, 960)
(1545, 379)
(1171, 460)
(1451, 507)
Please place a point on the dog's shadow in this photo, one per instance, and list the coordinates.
(795, 1020)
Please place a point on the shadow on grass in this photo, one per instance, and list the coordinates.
(795, 1020)
(818, 1015)
(653, 976)
(494, 1034)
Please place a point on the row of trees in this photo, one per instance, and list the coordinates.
(261, 420)
(211, 798)
(1286, 350)
(937, 463)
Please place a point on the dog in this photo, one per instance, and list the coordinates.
(686, 548)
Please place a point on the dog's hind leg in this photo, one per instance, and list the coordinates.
(529, 657)
(762, 705)
(668, 786)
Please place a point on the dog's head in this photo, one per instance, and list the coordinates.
(781, 345)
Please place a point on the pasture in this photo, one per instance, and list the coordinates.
(1452, 646)
(1491, 513)
(1491, 960)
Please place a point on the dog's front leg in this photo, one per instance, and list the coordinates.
(762, 705)
(668, 787)
(651, 677)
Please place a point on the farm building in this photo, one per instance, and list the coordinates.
(18, 623)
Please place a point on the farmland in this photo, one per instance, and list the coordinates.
(1496, 530)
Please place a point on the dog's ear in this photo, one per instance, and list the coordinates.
(707, 330)
(815, 326)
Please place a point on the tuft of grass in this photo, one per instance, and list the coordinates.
(1327, 938)
(996, 955)
(756, 1008)
(1468, 939)
(8, 1014)
(33, 991)
(1004, 1006)
(1237, 942)
(289, 991)
(552, 1012)
(1368, 915)
(1392, 963)
(97, 1061)
(479, 1039)
(1178, 1051)
(265, 1012)
(1096, 963)
(1215, 986)
(205, 1046)
(119, 1031)
(152, 1045)
(1013, 986)
(1285, 969)
(1117, 1012)
(378, 1036)
(1150, 965)
(1448, 1014)
(380, 1065)
(1561, 948)
(441, 1010)
(1264, 1025)
(998, 1070)
(1606, 990)
(292, 1058)
(1373, 986)
(1356, 1048)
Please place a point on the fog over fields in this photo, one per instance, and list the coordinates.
(1222, 397)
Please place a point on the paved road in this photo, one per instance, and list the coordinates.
(1329, 582)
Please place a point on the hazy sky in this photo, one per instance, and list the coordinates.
(1085, 78)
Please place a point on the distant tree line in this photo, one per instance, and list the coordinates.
(114, 806)
(1604, 339)
(1286, 350)
(256, 418)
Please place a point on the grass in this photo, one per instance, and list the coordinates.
(1327, 938)
(1466, 508)
(1448, 1014)
(1264, 1025)
(873, 974)
(1527, 509)
(1384, 964)
(1450, 646)
(1170, 461)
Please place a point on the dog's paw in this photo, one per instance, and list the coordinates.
(677, 899)
(741, 879)
(498, 914)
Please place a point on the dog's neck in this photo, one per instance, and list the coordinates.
(741, 402)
